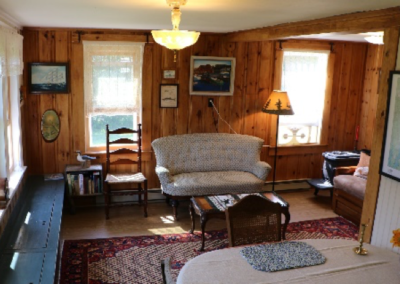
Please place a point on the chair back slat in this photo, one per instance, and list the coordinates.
(124, 141)
(123, 151)
(124, 162)
(123, 130)
(253, 220)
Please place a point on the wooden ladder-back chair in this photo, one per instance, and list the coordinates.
(125, 183)
(253, 220)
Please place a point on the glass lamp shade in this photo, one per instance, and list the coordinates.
(278, 103)
(175, 39)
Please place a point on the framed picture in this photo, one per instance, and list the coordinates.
(169, 74)
(390, 163)
(50, 125)
(48, 78)
(169, 95)
(212, 76)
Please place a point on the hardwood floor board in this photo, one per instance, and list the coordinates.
(89, 223)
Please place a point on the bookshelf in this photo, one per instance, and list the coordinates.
(83, 183)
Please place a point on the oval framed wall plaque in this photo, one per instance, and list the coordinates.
(50, 125)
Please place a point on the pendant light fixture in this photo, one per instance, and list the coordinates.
(175, 39)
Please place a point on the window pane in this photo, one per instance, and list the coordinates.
(98, 127)
(10, 148)
(113, 77)
(304, 78)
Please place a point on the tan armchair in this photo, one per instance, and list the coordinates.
(349, 186)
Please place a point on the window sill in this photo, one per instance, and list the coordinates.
(15, 180)
(297, 150)
(15, 186)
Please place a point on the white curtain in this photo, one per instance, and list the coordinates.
(11, 62)
(11, 67)
(113, 69)
(304, 78)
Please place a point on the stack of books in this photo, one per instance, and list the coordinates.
(84, 183)
(4, 193)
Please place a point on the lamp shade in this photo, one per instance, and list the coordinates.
(278, 103)
(175, 39)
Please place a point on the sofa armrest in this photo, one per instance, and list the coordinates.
(261, 170)
(345, 170)
(163, 174)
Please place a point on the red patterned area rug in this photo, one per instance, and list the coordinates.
(137, 259)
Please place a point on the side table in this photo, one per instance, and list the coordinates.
(207, 209)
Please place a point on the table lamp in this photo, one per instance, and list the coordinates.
(278, 103)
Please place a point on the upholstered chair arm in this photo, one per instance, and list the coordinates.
(345, 170)
(261, 170)
(163, 174)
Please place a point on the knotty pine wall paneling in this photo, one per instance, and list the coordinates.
(346, 94)
(254, 80)
(370, 95)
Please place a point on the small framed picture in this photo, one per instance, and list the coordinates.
(50, 125)
(169, 73)
(48, 78)
(212, 76)
(169, 95)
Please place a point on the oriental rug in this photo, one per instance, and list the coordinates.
(137, 259)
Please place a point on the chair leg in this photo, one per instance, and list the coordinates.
(175, 204)
(145, 198)
(107, 200)
(140, 195)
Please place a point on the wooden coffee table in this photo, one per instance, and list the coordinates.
(207, 209)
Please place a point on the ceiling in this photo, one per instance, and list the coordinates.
(199, 15)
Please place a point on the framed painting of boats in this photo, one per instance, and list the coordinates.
(169, 95)
(213, 76)
(48, 78)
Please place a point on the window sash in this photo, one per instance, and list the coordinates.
(304, 73)
(113, 83)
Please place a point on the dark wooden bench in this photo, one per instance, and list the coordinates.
(30, 241)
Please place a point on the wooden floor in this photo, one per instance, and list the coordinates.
(89, 223)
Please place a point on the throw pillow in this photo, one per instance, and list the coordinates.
(361, 172)
(364, 160)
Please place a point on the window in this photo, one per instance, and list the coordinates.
(11, 65)
(113, 89)
(304, 76)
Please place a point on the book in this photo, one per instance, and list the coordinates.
(81, 186)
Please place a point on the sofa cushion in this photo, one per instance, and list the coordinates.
(213, 183)
(351, 184)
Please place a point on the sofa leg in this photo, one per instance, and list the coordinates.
(175, 204)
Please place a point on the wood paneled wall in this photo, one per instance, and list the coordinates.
(254, 81)
(370, 95)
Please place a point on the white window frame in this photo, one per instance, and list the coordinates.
(294, 132)
(137, 114)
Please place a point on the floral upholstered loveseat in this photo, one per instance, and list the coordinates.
(209, 163)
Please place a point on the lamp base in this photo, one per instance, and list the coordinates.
(360, 251)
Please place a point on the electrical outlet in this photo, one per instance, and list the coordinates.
(210, 102)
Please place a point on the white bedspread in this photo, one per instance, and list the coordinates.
(342, 266)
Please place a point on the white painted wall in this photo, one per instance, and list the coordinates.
(387, 216)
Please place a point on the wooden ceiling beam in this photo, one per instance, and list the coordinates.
(354, 23)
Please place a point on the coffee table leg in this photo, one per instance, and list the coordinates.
(191, 211)
(287, 219)
(203, 221)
